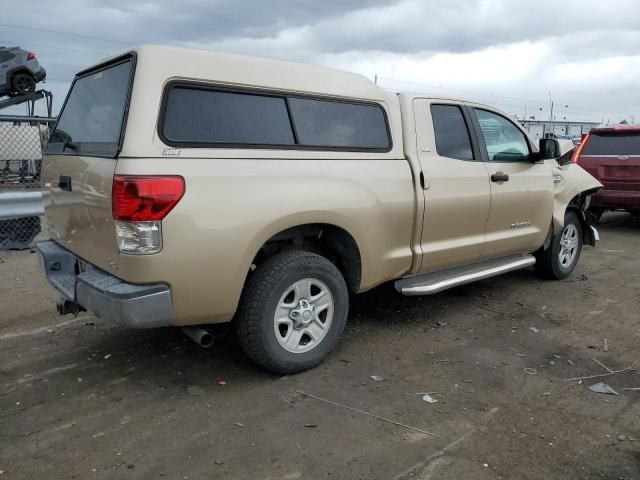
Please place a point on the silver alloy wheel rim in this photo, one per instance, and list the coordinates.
(303, 315)
(568, 245)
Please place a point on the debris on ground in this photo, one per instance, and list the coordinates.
(376, 378)
(240, 424)
(310, 425)
(605, 345)
(362, 412)
(530, 371)
(534, 329)
(602, 388)
(429, 399)
(222, 382)
(622, 438)
(609, 371)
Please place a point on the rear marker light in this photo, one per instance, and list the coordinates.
(31, 56)
(139, 203)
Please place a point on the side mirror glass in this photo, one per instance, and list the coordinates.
(549, 148)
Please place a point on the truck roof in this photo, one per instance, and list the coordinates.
(176, 62)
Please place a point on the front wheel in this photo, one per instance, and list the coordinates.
(560, 258)
(293, 310)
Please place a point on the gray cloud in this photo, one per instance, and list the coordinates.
(411, 39)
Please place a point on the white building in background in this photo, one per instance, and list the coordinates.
(559, 128)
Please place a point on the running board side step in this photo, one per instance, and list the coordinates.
(430, 283)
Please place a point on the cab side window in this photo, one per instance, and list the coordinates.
(452, 135)
(503, 140)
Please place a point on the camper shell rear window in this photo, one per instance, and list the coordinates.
(93, 116)
(197, 115)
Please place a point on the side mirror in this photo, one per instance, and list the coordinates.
(549, 148)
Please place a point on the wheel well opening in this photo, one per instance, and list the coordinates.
(327, 240)
(18, 71)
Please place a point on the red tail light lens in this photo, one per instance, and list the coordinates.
(578, 151)
(31, 56)
(145, 198)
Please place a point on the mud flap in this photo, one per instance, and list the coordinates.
(591, 236)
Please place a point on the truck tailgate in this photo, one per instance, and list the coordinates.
(79, 213)
(80, 161)
(614, 172)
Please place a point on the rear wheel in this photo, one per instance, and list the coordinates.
(293, 311)
(23, 83)
(560, 258)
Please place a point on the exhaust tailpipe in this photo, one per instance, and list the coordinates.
(199, 335)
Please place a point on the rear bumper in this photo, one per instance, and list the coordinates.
(616, 199)
(106, 296)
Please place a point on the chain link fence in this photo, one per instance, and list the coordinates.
(21, 143)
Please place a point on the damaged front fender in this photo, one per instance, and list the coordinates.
(573, 188)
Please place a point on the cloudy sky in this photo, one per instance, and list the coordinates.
(509, 53)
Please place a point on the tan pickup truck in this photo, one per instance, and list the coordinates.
(189, 188)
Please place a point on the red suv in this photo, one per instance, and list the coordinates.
(612, 155)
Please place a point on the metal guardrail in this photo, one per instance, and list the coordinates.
(22, 204)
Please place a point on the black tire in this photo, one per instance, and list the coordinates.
(548, 263)
(23, 83)
(262, 294)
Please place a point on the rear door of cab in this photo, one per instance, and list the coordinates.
(80, 162)
(455, 184)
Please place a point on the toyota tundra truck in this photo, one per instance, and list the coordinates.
(189, 188)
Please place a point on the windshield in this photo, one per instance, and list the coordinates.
(92, 117)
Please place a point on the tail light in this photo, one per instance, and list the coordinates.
(578, 151)
(139, 203)
(31, 56)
